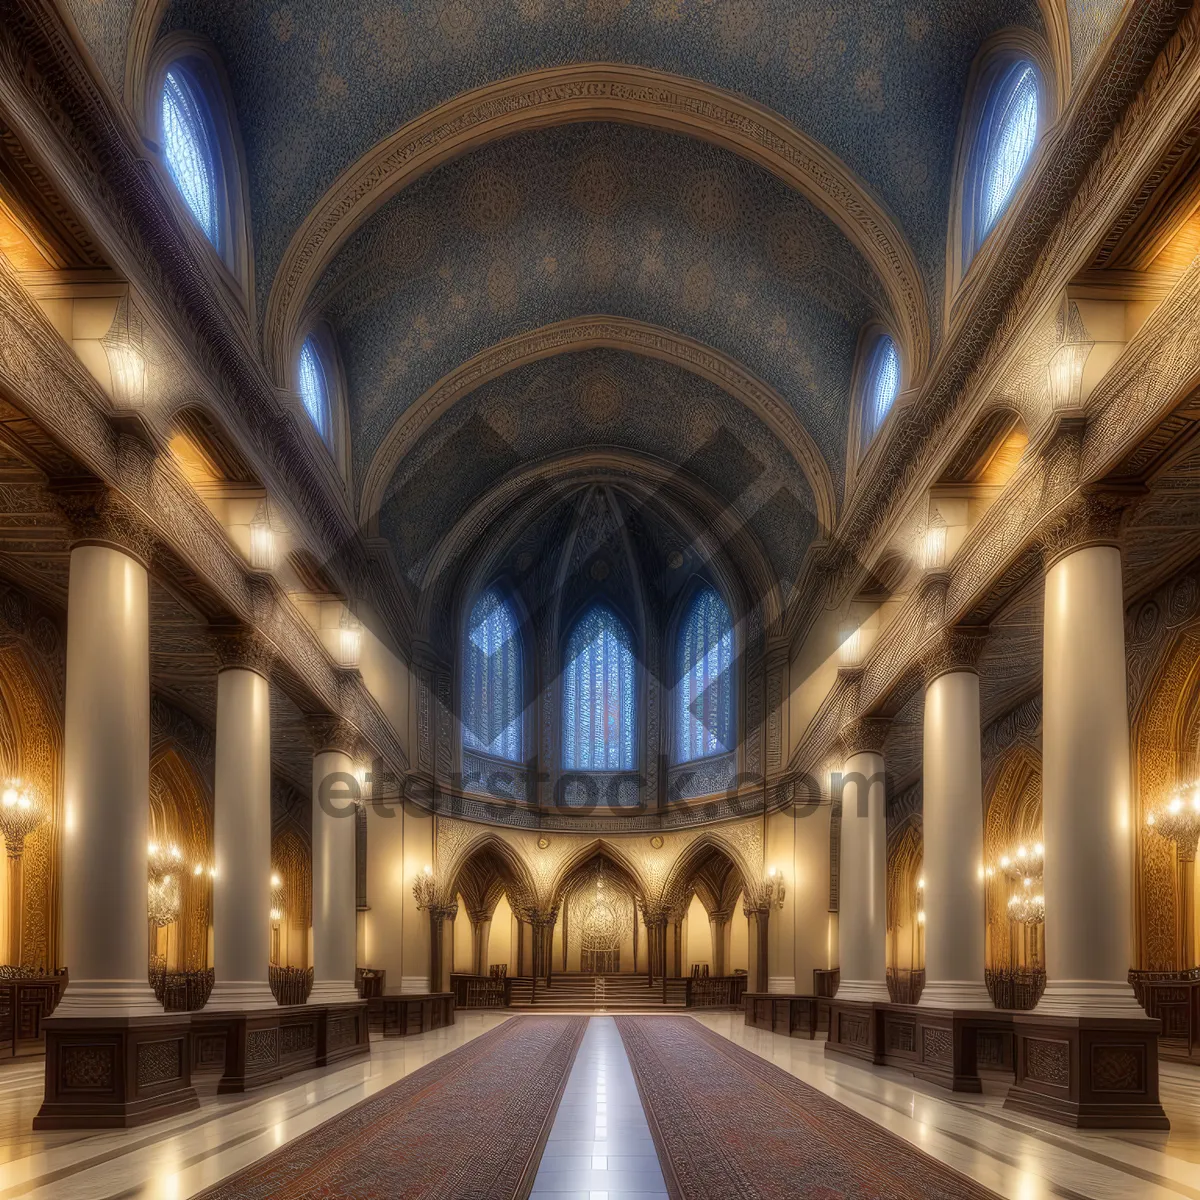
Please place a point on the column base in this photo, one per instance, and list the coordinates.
(957, 994)
(333, 991)
(864, 991)
(115, 1072)
(1086, 1071)
(946, 1046)
(1099, 998)
(240, 995)
(98, 998)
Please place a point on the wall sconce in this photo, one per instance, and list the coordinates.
(1065, 370)
(1178, 820)
(850, 649)
(349, 640)
(773, 889)
(262, 539)
(21, 813)
(933, 545)
(124, 348)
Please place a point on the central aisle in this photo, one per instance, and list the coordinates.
(600, 1144)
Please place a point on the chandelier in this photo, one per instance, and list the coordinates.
(163, 897)
(21, 812)
(277, 904)
(1178, 820)
(1024, 863)
(1027, 907)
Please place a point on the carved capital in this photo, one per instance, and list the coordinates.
(329, 732)
(865, 735)
(952, 649)
(98, 516)
(655, 914)
(1089, 518)
(242, 648)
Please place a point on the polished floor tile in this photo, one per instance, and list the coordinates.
(600, 1146)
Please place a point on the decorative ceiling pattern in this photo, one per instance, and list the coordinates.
(1090, 22)
(602, 398)
(879, 82)
(599, 219)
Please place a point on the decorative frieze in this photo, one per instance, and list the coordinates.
(1089, 518)
(332, 733)
(864, 735)
(98, 516)
(240, 647)
(952, 650)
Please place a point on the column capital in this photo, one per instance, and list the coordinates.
(864, 735)
(331, 732)
(99, 516)
(953, 649)
(1091, 517)
(240, 647)
(655, 914)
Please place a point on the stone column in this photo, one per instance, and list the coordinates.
(953, 825)
(334, 903)
(106, 764)
(481, 934)
(759, 916)
(718, 924)
(242, 823)
(862, 893)
(1086, 809)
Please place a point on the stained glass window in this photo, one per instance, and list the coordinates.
(1005, 141)
(599, 686)
(313, 388)
(190, 147)
(704, 692)
(883, 384)
(492, 685)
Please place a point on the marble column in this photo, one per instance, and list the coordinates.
(862, 859)
(334, 904)
(106, 770)
(952, 786)
(242, 824)
(1086, 809)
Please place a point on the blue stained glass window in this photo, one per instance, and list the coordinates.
(189, 148)
(883, 384)
(599, 684)
(492, 685)
(313, 388)
(1013, 133)
(704, 693)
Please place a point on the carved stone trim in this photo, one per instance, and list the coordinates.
(952, 650)
(239, 647)
(1090, 518)
(330, 732)
(865, 735)
(98, 516)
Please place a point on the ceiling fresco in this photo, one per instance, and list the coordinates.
(600, 398)
(599, 219)
(879, 82)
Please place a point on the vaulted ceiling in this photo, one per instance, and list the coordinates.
(590, 240)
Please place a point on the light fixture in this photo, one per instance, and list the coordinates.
(349, 640)
(1178, 820)
(933, 545)
(21, 812)
(850, 649)
(277, 897)
(124, 348)
(262, 539)
(1066, 373)
(1025, 862)
(425, 889)
(773, 888)
(1027, 907)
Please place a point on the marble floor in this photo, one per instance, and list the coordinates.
(599, 1146)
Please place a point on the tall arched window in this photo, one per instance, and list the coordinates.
(881, 387)
(189, 144)
(704, 693)
(599, 690)
(1004, 141)
(314, 388)
(492, 685)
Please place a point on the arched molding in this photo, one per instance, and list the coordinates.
(520, 885)
(858, 445)
(144, 24)
(1003, 47)
(717, 534)
(234, 258)
(588, 333)
(582, 854)
(905, 857)
(291, 859)
(680, 877)
(338, 449)
(1058, 45)
(596, 92)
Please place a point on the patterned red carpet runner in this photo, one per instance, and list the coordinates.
(470, 1124)
(731, 1126)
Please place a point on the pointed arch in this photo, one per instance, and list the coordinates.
(493, 684)
(583, 854)
(520, 885)
(599, 693)
(704, 700)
